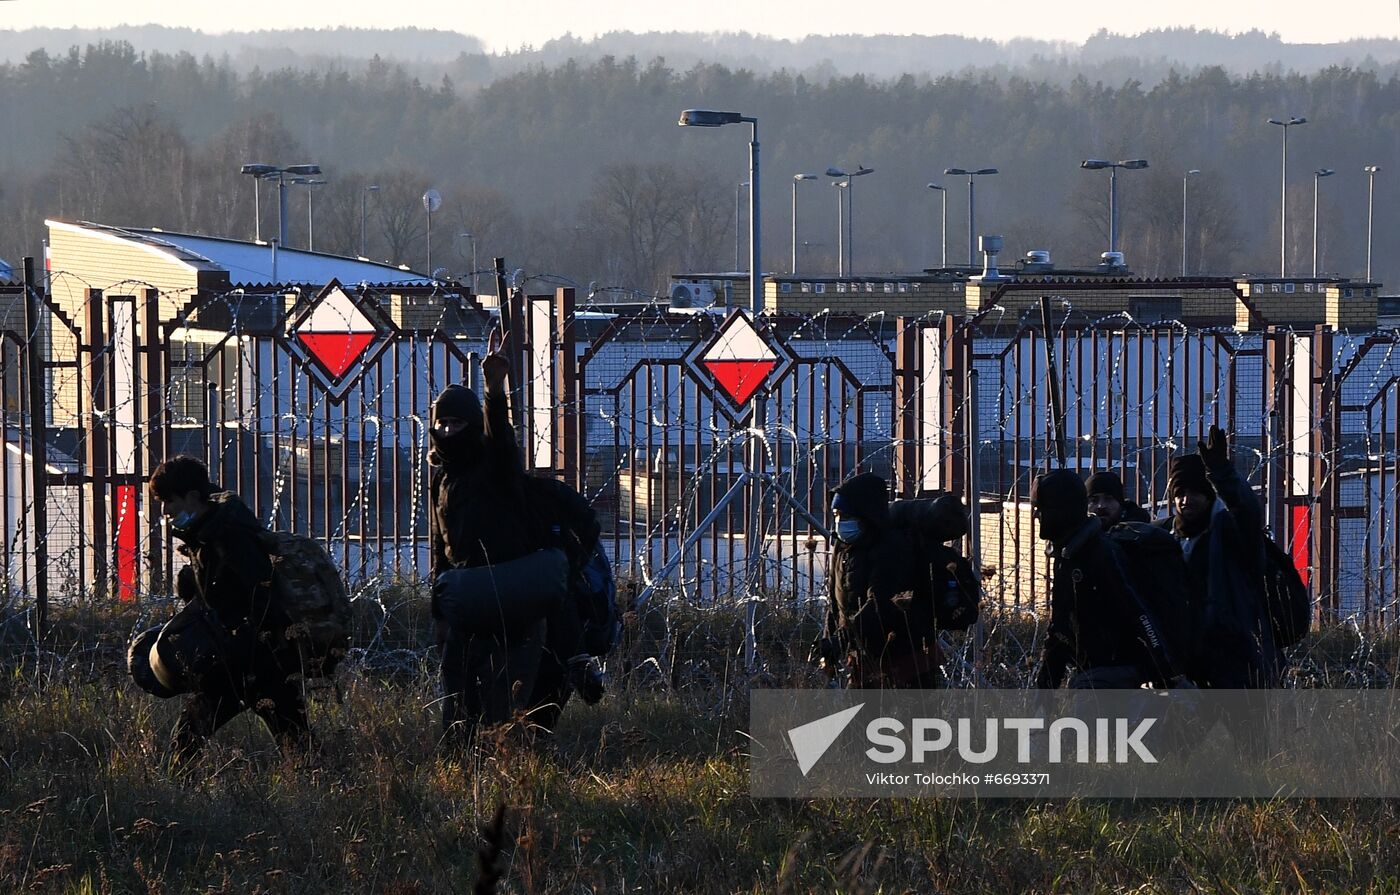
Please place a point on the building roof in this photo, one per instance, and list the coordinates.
(250, 264)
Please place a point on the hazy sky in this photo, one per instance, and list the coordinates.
(506, 25)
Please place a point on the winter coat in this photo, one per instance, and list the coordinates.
(480, 511)
(1132, 512)
(1097, 620)
(881, 607)
(1225, 574)
(230, 569)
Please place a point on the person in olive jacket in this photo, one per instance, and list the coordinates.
(880, 620)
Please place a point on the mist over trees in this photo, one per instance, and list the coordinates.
(578, 171)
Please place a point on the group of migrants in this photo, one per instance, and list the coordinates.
(523, 600)
(1202, 598)
(524, 604)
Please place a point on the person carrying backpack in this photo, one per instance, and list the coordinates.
(226, 647)
(1100, 621)
(495, 576)
(880, 619)
(1220, 525)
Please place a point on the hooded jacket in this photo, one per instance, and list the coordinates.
(230, 568)
(881, 605)
(481, 513)
(1225, 573)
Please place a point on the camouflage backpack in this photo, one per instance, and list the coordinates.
(307, 586)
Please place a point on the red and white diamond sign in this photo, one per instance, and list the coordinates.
(739, 359)
(334, 333)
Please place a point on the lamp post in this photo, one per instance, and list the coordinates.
(1184, 178)
(1283, 195)
(473, 239)
(971, 206)
(796, 179)
(310, 183)
(738, 192)
(1317, 176)
(840, 227)
(364, 201)
(1370, 208)
(709, 118)
(267, 172)
(848, 177)
(943, 230)
(1098, 164)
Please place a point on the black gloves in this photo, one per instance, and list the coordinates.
(1215, 450)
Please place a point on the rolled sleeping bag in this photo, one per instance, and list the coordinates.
(190, 646)
(138, 664)
(505, 597)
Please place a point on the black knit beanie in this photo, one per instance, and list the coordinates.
(1105, 483)
(1188, 472)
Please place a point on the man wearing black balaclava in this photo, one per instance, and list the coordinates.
(1220, 525)
(1098, 621)
(480, 517)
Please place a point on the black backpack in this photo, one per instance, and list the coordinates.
(591, 582)
(1286, 597)
(1155, 568)
(930, 523)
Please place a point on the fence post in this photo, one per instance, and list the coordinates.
(957, 359)
(1274, 440)
(98, 454)
(568, 416)
(152, 431)
(1324, 447)
(34, 351)
(907, 431)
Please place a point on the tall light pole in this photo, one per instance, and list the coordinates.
(849, 177)
(267, 172)
(432, 201)
(1098, 164)
(971, 206)
(796, 179)
(364, 203)
(840, 227)
(1370, 208)
(738, 192)
(1184, 178)
(1317, 175)
(1283, 196)
(310, 183)
(473, 239)
(708, 118)
(943, 194)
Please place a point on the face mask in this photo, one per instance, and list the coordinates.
(184, 520)
(848, 530)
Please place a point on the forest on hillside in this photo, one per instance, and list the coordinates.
(577, 171)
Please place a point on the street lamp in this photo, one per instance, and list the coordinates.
(364, 200)
(473, 239)
(943, 193)
(1283, 196)
(840, 227)
(1098, 164)
(971, 206)
(310, 183)
(709, 118)
(738, 192)
(796, 179)
(1317, 175)
(1370, 207)
(267, 172)
(1185, 177)
(848, 177)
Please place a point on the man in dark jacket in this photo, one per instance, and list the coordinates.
(1098, 620)
(1106, 501)
(1220, 525)
(482, 515)
(228, 583)
(880, 618)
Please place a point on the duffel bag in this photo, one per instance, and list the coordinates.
(506, 597)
